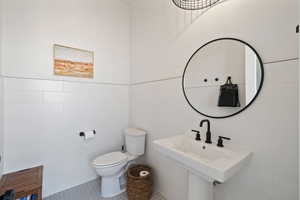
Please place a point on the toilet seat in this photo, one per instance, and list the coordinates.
(110, 159)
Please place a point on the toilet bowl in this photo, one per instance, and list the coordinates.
(111, 167)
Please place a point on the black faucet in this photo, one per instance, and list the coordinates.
(208, 133)
(198, 136)
(220, 141)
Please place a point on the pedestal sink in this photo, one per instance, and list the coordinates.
(206, 163)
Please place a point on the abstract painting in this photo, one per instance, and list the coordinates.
(70, 61)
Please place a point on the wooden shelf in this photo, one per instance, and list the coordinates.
(24, 182)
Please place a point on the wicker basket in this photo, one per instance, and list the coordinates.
(139, 188)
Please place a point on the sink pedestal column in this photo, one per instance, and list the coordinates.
(199, 188)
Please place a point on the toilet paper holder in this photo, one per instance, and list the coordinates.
(82, 134)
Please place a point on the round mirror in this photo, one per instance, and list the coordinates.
(223, 78)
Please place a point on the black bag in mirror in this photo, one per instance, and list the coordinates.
(229, 95)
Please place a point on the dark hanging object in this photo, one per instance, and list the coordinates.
(229, 95)
(194, 4)
(9, 195)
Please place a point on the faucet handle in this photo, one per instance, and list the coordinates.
(198, 136)
(220, 141)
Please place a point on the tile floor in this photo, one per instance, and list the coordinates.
(90, 191)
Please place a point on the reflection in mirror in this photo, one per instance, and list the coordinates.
(211, 66)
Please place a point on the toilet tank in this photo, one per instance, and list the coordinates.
(135, 141)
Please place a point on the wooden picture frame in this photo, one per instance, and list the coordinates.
(69, 61)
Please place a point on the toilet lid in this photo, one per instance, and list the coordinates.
(110, 159)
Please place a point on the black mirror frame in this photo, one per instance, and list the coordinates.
(257, 93)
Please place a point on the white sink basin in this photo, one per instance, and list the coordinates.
(205, 160)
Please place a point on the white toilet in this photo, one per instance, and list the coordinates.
(112, 166)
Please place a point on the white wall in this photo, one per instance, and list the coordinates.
(1, 99)
(44, 113)
(42, 124)
(252, 74)
(1, 125)
(299, 90)
(31, 27)
(163, 40)
(162, 34)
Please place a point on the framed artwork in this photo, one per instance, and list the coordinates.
(75, 62)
